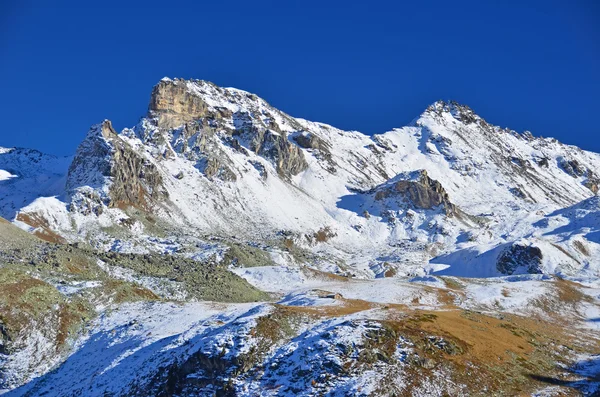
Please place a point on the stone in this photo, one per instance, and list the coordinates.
(103, 156)
(520, 256)
(423, 192)
(593, 184)
(287, 157)
(572, 167)
(172, 104)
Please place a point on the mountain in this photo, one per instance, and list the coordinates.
(343, 263)
(209, 161)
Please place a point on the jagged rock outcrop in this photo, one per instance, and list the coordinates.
(92, 163)
(135, 180)
(577, 170)
(234, 165)
(572, 167)
(311, 141)
(319, 148)
(173, 104)
(422, 191)
(104, 159)
(593, 184)
(288, 158)
(193, 115)
(460, 112)
(527, 257)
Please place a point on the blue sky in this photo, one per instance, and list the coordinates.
(369, 66)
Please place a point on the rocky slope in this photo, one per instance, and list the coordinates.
(216, 195)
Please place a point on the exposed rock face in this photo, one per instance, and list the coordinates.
(593, 184)
(577, 170)
(520, 256)
(173, 104)
(197, 135)
(92, 163)
(136, 181)
(104, 157)
(423, 192)
(311, 141)
(288, 158)
(572, 167)
(319, 148)
(215, 167)
(185, 113)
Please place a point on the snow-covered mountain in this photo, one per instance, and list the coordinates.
(219, 161)
(217, 175)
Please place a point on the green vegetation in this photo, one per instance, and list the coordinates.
(247, 256)
(202, 281)
(27, 303)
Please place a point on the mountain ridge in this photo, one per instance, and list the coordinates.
(198, 137)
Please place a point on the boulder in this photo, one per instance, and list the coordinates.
(422, 191)
(520, 256)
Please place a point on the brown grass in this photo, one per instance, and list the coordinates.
(499, 354)
(324, 234)
(569, 292)
(564, 251)
(446, 298)
(580, 246)
(487, 338)
(70, 316)
(288, 243)
(27, 302)
(311, 272)
(42, 228)
(390, 272)
(345, 307)
(502, 355)
(126, 292)
(452, 283)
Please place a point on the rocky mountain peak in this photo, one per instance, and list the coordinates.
(218, 196)
(186, 100)
(456, 110)
(91, 164)
(196, 117)
(120, 175)
(173, 103)
(105, 129)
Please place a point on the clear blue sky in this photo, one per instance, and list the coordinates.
(369, 66)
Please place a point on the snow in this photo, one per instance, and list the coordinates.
(509, 294)
(296, 284)
(50, 209)
(126, 343)
(26, 175)
(76, 287)
(5, 175)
